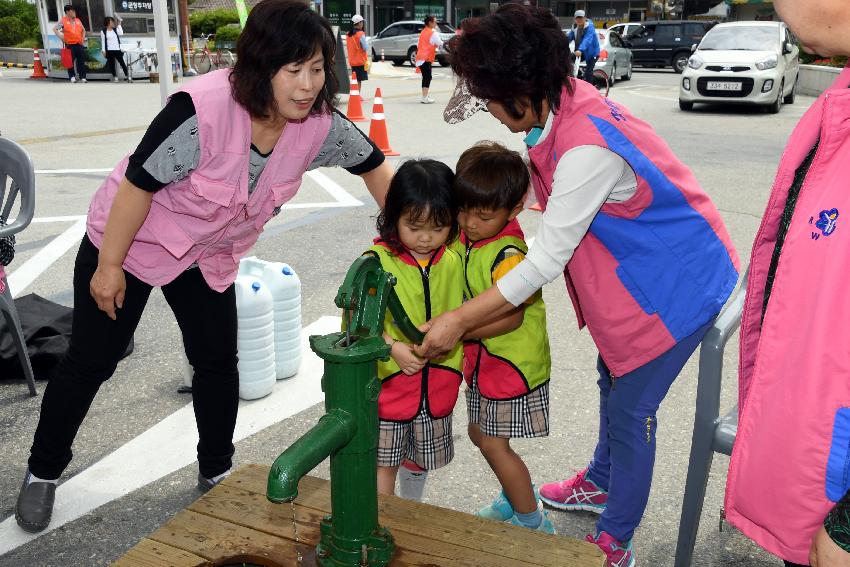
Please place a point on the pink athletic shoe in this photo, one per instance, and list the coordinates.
(617, 553)
(576, 493)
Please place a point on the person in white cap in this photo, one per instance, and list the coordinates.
(586, 44)
(358, 51)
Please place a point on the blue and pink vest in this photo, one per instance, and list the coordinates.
(791, 459)
(207, 217)
(653, 269)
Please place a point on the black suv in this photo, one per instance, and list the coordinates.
(666, 43)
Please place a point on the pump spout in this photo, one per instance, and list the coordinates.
(334, 430)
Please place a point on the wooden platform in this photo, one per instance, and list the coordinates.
(235, 522)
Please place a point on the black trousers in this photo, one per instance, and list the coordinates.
(590, 65)
(425, 68)
(111, 57)
(78, 56)
(207, 320)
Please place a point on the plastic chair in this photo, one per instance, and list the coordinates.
(712, 433)
(17, 179)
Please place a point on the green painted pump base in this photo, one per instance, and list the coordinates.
(334, 551)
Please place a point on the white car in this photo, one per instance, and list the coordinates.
(742, 63)
(398, 42)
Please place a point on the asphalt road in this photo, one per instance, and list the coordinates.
(88, 128)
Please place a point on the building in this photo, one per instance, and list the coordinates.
(752, 10)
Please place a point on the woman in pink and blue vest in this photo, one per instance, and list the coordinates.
(647, 260)
(788, 486)
(214, 166)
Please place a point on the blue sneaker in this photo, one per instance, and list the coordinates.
(545, 525)
(500, 509)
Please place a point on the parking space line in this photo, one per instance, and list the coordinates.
(174, 440)
(343, 197)
(23, 276)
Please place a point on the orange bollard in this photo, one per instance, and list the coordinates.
(378, 127)
(355, 107)
(37, 68)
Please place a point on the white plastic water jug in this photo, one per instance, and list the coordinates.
(255, 338)
(285, 289)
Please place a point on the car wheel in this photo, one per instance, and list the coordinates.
(685, 105)
(680, 61)
(374, 55)
(613, 75)
(443, 61)
(792, 96)
(398, 62)
(628, 75)
(411, 56)
(776, 105)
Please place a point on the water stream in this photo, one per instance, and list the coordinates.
(298, 556)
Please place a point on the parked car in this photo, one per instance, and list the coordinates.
(666, 43)
(614, 57)
(399, 41)
(743, 62)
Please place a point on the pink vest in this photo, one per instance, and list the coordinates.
(654, 269)
(792, 453)
(207, 216)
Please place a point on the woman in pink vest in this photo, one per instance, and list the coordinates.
(214, 166)
(788, 486)
(647, 260)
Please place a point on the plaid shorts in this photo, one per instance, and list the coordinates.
(425, 441)
(525, 416)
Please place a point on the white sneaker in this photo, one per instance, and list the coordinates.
(114, 79)
(83, 81)
(427, 100)
(73, 79)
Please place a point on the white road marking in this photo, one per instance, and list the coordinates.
(173, 441)
(22, 277)
(65, 171)
(343, 197)
(70, 218)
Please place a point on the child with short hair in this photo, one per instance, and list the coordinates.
(417, 395)
(506, 362)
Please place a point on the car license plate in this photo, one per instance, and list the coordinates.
(724, 86)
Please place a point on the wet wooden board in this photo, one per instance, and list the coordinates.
(234, 521)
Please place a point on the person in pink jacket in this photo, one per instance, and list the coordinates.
(216, 164)
(788, 480)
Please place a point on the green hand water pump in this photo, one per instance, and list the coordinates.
(348, 432)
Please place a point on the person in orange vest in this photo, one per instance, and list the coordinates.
(358, 50)
(426, 52)
(72, 32)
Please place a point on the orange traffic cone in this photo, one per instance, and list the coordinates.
(37, 68)
(355, 108)
(378, 127)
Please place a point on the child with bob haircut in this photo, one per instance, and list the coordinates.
(418, 395)
(506, 362)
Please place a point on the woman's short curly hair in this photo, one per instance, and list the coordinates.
(279, 32)
(518, 51)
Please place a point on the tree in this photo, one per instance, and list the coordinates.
(18, 23)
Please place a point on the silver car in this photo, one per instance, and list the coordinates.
(398, 42)
(614, 57)
(742, 63)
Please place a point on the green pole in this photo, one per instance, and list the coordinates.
(243, 13)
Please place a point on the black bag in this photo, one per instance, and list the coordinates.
(47, 332)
